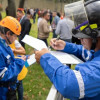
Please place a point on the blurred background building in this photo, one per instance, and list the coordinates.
(57, 5)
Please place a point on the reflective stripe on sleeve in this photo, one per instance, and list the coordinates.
(83, 55)
(80, 83)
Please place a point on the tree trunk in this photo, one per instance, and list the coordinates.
(55, 5)
(21, 3)
(11, 8)
(1, 1)
(61, 2)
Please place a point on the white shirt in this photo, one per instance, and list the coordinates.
(39, 22)
(17, 44)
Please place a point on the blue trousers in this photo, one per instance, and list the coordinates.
(20, 90)
(54, 35)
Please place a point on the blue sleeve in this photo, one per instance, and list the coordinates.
(13, 69)
(74, 49)
(70, 83)
(55, 20)
(90, 72)
(60, 75)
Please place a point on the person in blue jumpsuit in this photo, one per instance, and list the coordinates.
(83, 83)
(10, 67)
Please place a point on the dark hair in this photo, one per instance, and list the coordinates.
(45, 13)
(28, 12)
(58, 14)
(41, 14)
(4, 30)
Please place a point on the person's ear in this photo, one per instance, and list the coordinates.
(8, 33)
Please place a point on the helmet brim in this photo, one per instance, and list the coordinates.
(80, 35)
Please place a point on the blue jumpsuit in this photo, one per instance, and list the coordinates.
(14, 66)
(83, 83)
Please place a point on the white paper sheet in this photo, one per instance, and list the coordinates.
(39, 44)
(34, 42)
(66, 58)
(31, 60)
(61, 56)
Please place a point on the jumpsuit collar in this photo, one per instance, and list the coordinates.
(3, 41)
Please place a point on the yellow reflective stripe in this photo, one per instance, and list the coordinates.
(83, 27)
(13, 47)
(92, 26)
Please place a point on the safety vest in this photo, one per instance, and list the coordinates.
(13, 47)
(24, 71)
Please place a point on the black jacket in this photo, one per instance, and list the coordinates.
(26, 26)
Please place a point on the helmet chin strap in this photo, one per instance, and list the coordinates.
(94, 42)
(8, 41)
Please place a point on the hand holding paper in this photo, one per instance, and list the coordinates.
(38, 54)
(30, 61)
(39, 45)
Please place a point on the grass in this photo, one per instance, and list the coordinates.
(36, 84)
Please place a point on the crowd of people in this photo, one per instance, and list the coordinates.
(79, 84)
(23, 23)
